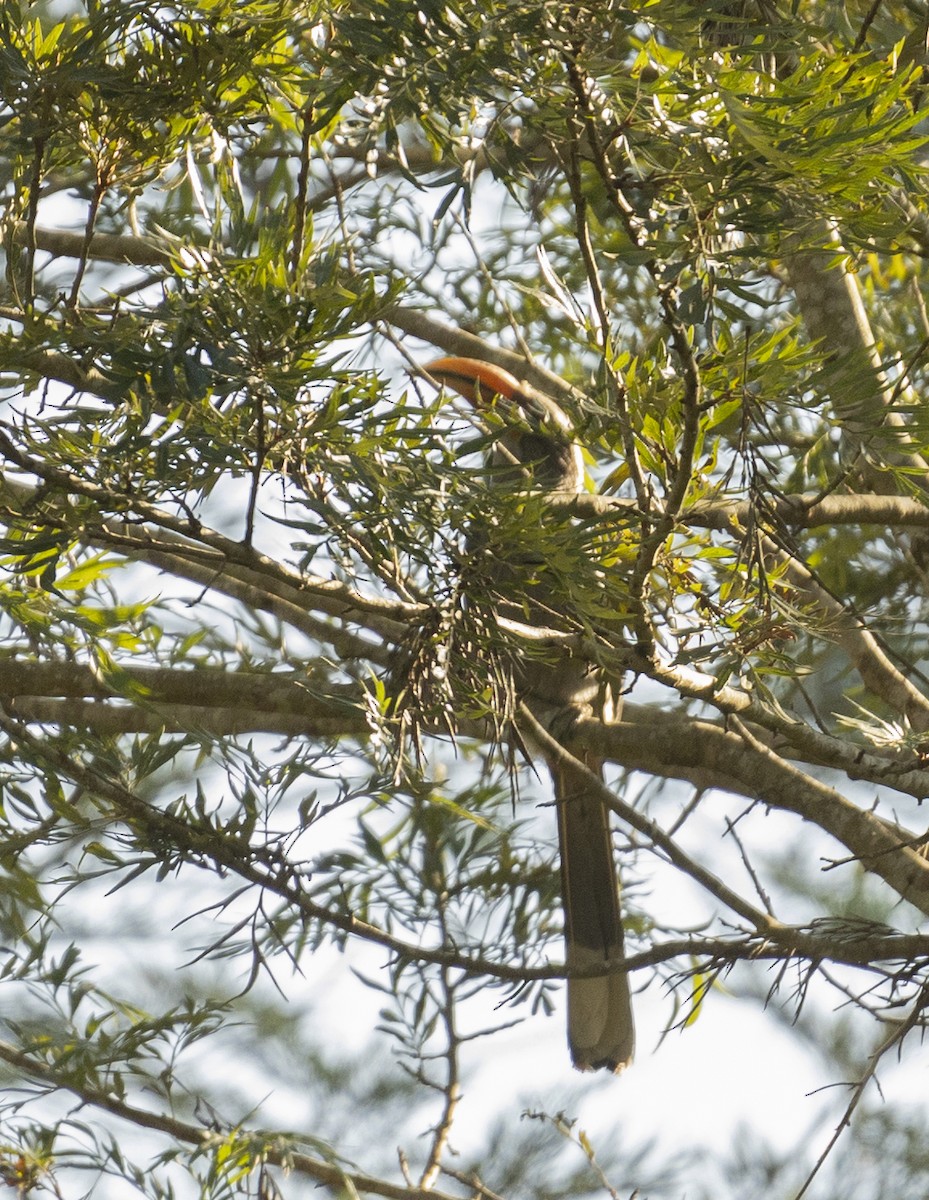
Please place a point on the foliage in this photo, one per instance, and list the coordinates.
(257, 697)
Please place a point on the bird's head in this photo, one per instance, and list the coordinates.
(537, 433)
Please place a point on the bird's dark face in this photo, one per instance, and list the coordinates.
(552, 462)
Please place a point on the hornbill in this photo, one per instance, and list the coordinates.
(536, 446)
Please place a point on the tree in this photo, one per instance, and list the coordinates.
(259, 698)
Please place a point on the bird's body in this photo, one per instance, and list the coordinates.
(536, 447)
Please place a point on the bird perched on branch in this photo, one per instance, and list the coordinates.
(537, 442)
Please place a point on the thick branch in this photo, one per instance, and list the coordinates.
(833, 311)
(227, 701)
(107, 247)
(737, 762)
(456, 341)
(49, 364)
(264, 869)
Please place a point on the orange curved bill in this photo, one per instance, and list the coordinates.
(473, 379)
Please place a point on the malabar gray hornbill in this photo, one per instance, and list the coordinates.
(536, 447)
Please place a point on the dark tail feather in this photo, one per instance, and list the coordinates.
(600, 1025)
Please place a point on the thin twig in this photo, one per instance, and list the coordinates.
(894, 1039)
(333, 1176)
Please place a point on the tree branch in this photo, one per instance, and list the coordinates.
(335, 1177)
(740, 763)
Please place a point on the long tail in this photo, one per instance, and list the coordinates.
(601, 1032)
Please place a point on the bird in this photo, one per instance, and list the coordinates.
(536, 446)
